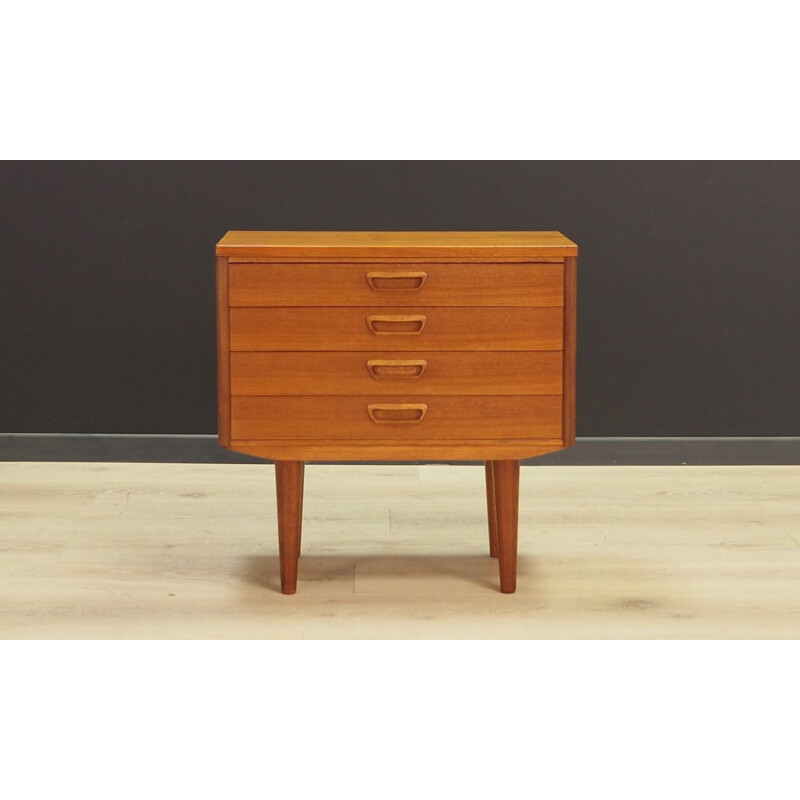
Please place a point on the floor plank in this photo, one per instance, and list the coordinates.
(190, 551)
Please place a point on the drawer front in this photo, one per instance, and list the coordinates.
(398, 373)
(412, 418)
(396, 328)
(396, 284)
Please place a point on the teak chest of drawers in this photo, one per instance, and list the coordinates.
(364, 346)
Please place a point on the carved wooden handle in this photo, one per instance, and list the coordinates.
(396, 281)
(403, 324)
(379, 368)
(397, 412)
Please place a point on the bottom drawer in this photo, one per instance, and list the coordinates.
(411, 418)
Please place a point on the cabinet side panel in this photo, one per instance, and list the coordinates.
(570, 331)
(223, 355)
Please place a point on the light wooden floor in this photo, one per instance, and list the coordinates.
(190, 551)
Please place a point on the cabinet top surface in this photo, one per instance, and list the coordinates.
(366, 244)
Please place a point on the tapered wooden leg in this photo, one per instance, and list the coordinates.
(490, 507)
(506, 493)
(289, 485)
(302, 495)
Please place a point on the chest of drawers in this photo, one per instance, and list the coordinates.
(368, 346)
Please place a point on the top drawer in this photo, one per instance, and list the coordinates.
(533, 284)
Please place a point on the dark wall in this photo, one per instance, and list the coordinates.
(688, 321)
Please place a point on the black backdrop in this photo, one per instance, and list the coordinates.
(688, 313)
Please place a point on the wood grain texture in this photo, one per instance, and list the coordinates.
(377, 449)
(380, 262)
(446, 417)
(302, 497)
(322, 329)
(396, 324)
(479, 347)
(570, 347)
(186, 551)
(444, 285)
(525, 245)
(448, 372)
(392, 413)
(223, 355)
(506, 497)
(491, 508)
(289, 495)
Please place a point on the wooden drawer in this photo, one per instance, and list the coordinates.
(540, 284)
(396, 328)
(398, 373)
(388, 417)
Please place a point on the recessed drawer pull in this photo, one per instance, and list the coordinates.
(397, 412)
(402, 324)
(396, 281)
(379, 368)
